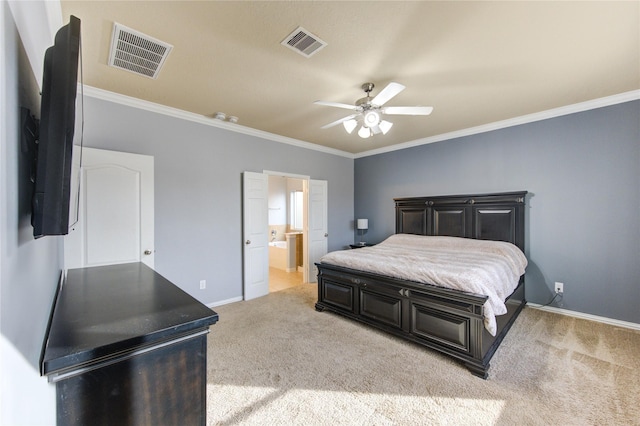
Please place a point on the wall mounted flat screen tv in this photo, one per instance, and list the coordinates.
(53, 174)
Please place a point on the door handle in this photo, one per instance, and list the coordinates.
(147, 252)
(247, 242)
(326, 235)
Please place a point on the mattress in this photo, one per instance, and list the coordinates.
(491, 268)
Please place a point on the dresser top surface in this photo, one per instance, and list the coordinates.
(105, 310)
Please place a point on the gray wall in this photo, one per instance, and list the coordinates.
(29, 269)
(198, 197)
(582, 222)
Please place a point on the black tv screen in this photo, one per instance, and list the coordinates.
(57, 124)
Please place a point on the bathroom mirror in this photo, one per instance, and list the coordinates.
(297, 206)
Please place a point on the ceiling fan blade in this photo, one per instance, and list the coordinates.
(342, 120)
(336, 104)
(387, 93)
(407, 110)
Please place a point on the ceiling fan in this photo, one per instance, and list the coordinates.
(370, 111)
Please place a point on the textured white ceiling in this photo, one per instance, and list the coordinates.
(474, 62)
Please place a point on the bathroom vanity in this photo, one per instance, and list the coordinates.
(294, 242)
(126, 346)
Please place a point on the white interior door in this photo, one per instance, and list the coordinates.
(317, 227)
(116, 217)
(255, 196)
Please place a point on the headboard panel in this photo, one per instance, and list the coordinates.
(498, 217)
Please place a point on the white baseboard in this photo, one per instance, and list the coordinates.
(224, 302)
(581, 315)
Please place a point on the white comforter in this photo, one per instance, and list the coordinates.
(491, 268)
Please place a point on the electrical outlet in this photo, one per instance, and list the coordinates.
(559, 287)
(203, 284)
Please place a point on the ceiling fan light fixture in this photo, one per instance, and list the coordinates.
(364, 132)
(385, 126)
(371, 118)
(349, 125)
(371, 111)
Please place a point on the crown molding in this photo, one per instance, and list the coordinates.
(189, 116)
(201, 119)
(530, 118)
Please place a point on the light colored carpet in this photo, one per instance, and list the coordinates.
(276, 361)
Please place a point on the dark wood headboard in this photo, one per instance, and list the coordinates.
(498, 217)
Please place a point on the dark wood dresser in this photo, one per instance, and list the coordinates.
(125, 346)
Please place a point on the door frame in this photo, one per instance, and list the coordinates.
(305, 224)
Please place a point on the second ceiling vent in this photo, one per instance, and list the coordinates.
(303, 42)
(136, 52)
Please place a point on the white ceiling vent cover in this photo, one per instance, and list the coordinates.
(303, 42)
(136, 52)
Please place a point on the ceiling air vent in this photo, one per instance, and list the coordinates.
(303, 42)
(136, 52)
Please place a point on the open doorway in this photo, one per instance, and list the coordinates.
(256, 234)
(286, 231)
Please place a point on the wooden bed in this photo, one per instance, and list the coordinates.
(446, 320)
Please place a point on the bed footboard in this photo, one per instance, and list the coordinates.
(448, 321)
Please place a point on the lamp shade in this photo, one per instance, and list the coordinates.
(364, 132)
(385, 126)
(362, 223)
(349, 125)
